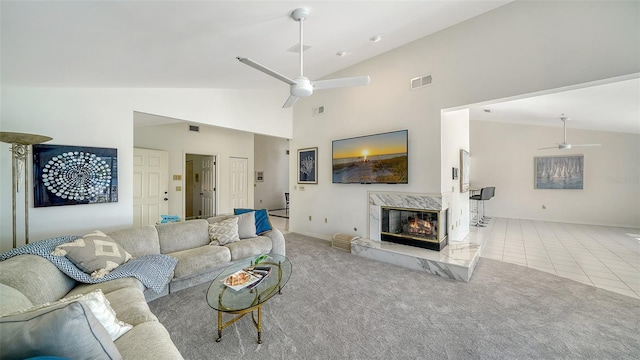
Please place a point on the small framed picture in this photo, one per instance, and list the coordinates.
(259, 176)
(308, 166)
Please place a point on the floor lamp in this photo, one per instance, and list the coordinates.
(20, 144)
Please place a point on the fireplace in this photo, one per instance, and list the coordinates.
(416, 227)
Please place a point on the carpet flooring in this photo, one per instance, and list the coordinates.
(340, 306)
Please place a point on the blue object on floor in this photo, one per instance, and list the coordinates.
(169, 219)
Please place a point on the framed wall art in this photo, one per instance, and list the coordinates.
(308, 166)
(72, 175)
(559, 172)
(465, 167)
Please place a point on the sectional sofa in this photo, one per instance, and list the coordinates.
(66, 325)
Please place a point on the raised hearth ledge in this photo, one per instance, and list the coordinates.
(457, 261)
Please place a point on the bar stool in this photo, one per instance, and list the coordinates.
(286, 203)
(485, 194)
(492, 193)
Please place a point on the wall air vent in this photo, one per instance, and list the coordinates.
(318, 111)
(194, 128)
(420, 82)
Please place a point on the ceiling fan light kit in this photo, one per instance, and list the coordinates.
(564, 145)
(301, 86)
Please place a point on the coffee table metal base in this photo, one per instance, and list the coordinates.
(241, 313)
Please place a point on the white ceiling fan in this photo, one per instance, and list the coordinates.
(564, 145)
(302, 86)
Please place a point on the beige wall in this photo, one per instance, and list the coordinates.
(104, 118)
(520, 48)
(502, 155)
(210, 140)
(270, 155)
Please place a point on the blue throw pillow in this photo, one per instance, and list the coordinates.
(262, 219)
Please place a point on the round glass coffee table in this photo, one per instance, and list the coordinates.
(225, 296)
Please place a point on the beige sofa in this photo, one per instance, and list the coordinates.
(28, 280)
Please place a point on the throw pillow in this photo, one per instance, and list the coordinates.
(246, 226)
(68, 330)
(96, 254)
(224, 232)
(101, 309)
(262, 219)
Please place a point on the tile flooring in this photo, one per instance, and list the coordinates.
(604, 257)
(600, 256)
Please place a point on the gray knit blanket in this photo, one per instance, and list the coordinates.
(152, 270)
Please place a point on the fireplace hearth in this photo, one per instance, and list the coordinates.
(422, 228)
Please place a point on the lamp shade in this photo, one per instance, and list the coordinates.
(22, 138)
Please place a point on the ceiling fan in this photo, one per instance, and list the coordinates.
(302, 86)
(564, 145)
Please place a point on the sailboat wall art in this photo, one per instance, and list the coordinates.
(559, 172)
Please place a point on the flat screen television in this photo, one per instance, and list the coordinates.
(371, 159)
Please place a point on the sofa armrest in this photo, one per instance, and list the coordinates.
(277, 241)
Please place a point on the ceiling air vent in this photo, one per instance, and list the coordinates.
(296, 48)
(420, 82)
(194, 128)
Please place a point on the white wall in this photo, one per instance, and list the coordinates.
(104, 118)
(210, 140)
(455, 136)
(517, 49)
(270, 155)
(502, 155)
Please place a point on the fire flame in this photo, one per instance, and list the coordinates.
(417, 226)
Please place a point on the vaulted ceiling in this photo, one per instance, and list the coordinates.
(194, 44)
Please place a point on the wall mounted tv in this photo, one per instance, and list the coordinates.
(371, 159)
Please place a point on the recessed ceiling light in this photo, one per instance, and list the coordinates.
(487, 110)
(376, 38)
(341, 53)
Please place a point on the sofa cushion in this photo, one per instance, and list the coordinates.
(249, 247)
(107, 286)
(35, 277)
(69, 330)
(12, 300)
(131, 306)
(246, 226)
(95, 253)
(199, 260)
(139, 240)
(183, 235)
(224, 231)
(148, 341)
(261, 218)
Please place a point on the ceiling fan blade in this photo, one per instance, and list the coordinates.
(574, 145)
(266, 70)
(547, 148)
(342, 82)
(290, 101)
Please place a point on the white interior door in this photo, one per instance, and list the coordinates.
(239, 182)
(150, 186)
(208, 186)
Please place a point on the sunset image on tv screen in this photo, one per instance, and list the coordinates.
(380, 158)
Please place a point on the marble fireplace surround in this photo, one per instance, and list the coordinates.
(456, 261)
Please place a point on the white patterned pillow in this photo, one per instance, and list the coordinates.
(101, 309)
(96, 254)
(224, 232)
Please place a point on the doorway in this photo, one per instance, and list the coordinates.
(150, 186)
(200, 186)
(239, 182)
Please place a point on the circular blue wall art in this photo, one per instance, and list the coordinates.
(77, 175)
